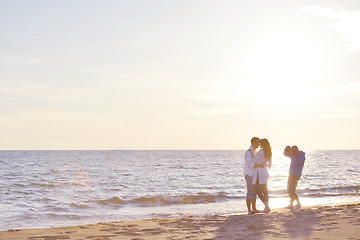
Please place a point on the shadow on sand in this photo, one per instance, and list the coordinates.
(283, 223)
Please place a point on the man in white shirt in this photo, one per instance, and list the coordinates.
(249, 162)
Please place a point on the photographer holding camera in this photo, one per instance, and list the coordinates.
(296, 166)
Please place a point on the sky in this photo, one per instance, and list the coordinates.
(179, 74)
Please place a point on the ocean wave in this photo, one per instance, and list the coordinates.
(78, 205)
(42, 184)
(339, 189)
(184, 199)
(342, 189)
(331, 194)
(35, 184)
(161, 200)
(111, 201)
(78, 184)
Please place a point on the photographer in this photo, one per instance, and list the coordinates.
(296, 166)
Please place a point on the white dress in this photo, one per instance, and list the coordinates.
(261, 172)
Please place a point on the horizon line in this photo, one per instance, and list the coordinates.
(164, 149)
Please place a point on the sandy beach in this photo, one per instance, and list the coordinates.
(321, 222)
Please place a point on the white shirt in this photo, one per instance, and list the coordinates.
(261, 172)
(249, 162)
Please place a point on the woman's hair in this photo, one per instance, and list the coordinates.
(265, 145)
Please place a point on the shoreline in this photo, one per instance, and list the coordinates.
(338, 221)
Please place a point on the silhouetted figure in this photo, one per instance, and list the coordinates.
(296, 166)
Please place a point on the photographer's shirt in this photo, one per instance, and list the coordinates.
(297, 163)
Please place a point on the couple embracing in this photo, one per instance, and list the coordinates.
(256, 165)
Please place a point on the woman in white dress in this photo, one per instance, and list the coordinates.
(261, 174)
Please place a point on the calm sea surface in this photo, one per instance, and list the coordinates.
(56, 188)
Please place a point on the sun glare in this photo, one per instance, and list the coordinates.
(281, 63)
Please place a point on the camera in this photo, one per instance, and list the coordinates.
(287, 151)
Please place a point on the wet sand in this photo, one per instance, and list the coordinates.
(322, 222)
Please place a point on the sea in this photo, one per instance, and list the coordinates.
(40, 189)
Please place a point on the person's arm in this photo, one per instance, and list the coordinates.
(259, 160)
(261, 165)
(249, 161)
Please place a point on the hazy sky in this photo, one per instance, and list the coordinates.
(179, 74)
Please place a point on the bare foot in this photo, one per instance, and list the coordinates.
(266, 210)
(256, 211)
(297, 206)
(290, 206)
(250, 212)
